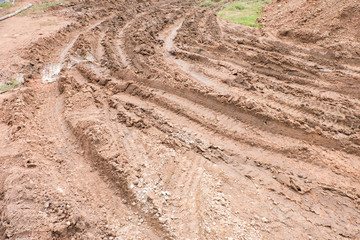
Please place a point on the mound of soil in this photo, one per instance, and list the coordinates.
(327, 22)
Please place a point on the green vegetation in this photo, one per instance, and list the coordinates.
(41, 7)
(244, 12)
(5, 5)
(8, 86)
(210, 3)
(207, 3)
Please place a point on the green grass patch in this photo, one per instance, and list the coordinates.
(8, 86)
(244, 12)
(41, 7)
(210, 3)
(5, 6)
(207, 3)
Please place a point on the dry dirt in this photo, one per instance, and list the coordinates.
(156, 120)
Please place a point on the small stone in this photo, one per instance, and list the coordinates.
(162, 220)
(136, 181)
(265, 220)
(47, 204)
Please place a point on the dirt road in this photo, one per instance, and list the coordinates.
(158, 120)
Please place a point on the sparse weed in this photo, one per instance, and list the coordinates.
(8, 86)
(237, 6)
(41, 7)
(210, 3)
(207, 3)
(5, 5)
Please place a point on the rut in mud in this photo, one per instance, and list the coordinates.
(161, 121)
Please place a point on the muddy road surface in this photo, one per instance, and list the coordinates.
(158, 120)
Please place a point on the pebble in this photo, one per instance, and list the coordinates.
(162, 220)
(47, 204)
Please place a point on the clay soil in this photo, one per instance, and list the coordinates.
(158, 120)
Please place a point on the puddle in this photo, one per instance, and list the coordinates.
(119, 45)
(19, 77)
(325, 70)
(169, 41)
(50, 73)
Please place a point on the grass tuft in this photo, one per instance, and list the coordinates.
(207, 3)
(8, 86)
(210, 3)
(5, 5)
(244, 12)
(237, 6)
(42, 7)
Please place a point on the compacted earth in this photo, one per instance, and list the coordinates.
(156, 119)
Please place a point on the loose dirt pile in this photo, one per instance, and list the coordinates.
(160, 121)
(331, 24)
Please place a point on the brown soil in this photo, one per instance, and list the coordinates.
(17, 33)
(331, 24)
(157, 120)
